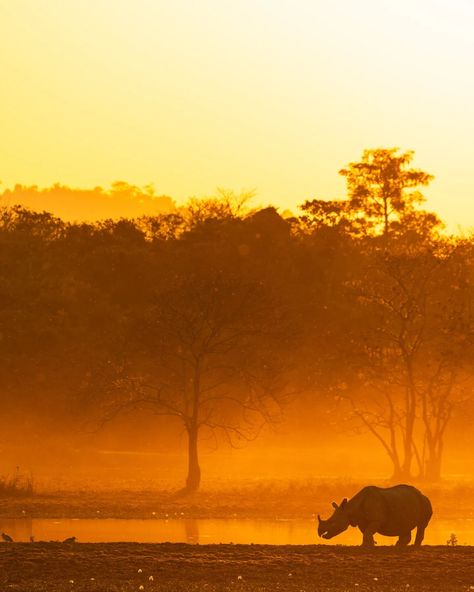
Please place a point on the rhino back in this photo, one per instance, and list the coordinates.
(399, 509)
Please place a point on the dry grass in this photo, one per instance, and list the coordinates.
(16, 485)
(264, 499)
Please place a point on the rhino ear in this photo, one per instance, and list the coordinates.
(344, 502)
(334, 505)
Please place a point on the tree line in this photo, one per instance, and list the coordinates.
(219, 316)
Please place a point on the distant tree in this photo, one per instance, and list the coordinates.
(163, 226)
(214, 367)
(417, 227)
(379, 185)
(205, 348)
(412, 338)
(211, 314)
(31, 304)
(337, 215)
(224, 206)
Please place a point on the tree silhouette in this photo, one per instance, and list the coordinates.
(412, 333)
(378, 185)
(205, 347)
(211, 314)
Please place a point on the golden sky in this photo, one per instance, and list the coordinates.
(274, 95)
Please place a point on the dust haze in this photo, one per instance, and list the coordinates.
(218, 345)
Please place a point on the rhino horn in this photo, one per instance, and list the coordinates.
(319, 518)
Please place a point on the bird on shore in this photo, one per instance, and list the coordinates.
(32, 538)
(69, 540)
(7, 538)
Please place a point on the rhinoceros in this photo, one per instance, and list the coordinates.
(390, 511)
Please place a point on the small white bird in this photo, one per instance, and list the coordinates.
(7, 538)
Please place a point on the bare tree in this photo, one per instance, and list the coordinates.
(206, 357)
(413, 335)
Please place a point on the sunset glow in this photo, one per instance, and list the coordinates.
(257, 94)
(237, 295)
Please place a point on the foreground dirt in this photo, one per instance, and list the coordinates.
(167, 567)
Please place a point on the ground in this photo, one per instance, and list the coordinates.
(254, 500)
(120, 567)
(114, 567)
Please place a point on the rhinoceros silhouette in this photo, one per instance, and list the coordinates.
(389, 511)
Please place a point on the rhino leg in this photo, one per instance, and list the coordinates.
(404, 539)
(368, 534)
(420, 535)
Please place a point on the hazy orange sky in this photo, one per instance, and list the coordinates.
(275, 95)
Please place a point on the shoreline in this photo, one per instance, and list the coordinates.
(253, 502)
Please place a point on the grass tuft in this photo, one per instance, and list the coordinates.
(16, 485)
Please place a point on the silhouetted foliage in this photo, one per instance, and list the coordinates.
(218, 316)
(378, 186)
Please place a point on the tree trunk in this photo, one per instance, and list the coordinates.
(385, 217)
(408, 454)
(193, 479)
(398, 474)
(433, 462)
(410, 417)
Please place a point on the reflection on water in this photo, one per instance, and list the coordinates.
(243, 531)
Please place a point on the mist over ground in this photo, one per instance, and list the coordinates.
(215, 344)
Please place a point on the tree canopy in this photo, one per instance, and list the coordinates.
(221, 317)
